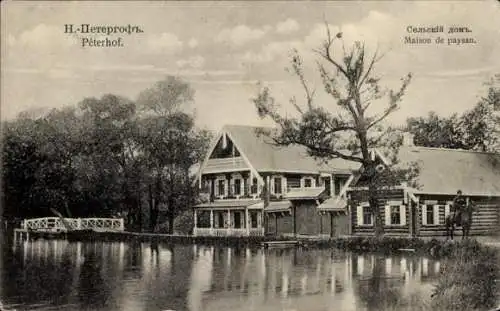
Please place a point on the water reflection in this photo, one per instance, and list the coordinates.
(155, 276)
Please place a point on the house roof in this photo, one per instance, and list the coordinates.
(444, 171)
(304, 193)
(231, 203)
(338, 204)
(278, 206)
(265, 156)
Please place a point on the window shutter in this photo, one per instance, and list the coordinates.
(283, 185)
(271, 186)
(436, 214)
(424, 214)
(259, 220)
(446, 210)
(402, 210)
(387, 215)
(359, 214)
(226, 188)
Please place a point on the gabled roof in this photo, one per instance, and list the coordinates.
(444, 171)
(266, 157)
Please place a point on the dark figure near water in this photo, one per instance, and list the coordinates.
(461, 216)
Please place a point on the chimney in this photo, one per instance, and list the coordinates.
(408, 139)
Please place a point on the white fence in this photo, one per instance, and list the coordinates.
(56, 224)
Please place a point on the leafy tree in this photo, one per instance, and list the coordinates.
(476, 129)
(106, 124)
(102, 157)
(166, 96)
(351, 131)
(436, 131)
(171, 145)
(20, 162)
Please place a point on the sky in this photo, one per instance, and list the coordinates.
(223, 49)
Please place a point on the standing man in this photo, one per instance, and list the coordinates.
(459, 203)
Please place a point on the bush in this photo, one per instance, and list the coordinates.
(468, 277)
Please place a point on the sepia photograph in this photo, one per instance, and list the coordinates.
(250, 155)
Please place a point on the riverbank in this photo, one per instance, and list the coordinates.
(435, 247)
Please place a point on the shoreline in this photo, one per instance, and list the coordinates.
(433, 246)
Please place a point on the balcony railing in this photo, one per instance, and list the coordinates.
(222, 232)
(225, 165)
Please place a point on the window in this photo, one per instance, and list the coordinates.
(395, 215)
(367, 216)
(277, 185)
(254, 223)
(308, 183)
(237, 186)
(237, 220)
(430, 214)
(253, 188)
(222, 183)
(339, 184)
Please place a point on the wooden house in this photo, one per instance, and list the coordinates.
(422, 211)
(253, 187)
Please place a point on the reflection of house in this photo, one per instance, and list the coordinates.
(253, 187)
(422, 211)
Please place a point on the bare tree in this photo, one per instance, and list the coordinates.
(351, 131)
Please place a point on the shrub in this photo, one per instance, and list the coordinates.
(468, 277)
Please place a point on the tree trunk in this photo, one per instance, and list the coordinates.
(171, 219)
(153, 215)
(170, 216)
(375, 208)
(139, 215)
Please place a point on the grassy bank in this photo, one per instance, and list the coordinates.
(468, 279)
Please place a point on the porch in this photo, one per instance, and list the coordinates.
(229, 218)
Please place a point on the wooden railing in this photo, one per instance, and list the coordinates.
(228, 232)
(56, 224)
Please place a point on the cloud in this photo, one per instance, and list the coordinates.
(46, 37)
(164, 43)
(288, 26)
(193, 43)
(241, 35)
(272, 51)
(193, 62)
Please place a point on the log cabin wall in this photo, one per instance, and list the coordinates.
(484, 222)
(393, 196)
(429, 215)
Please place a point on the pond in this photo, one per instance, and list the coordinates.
(62, 275)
